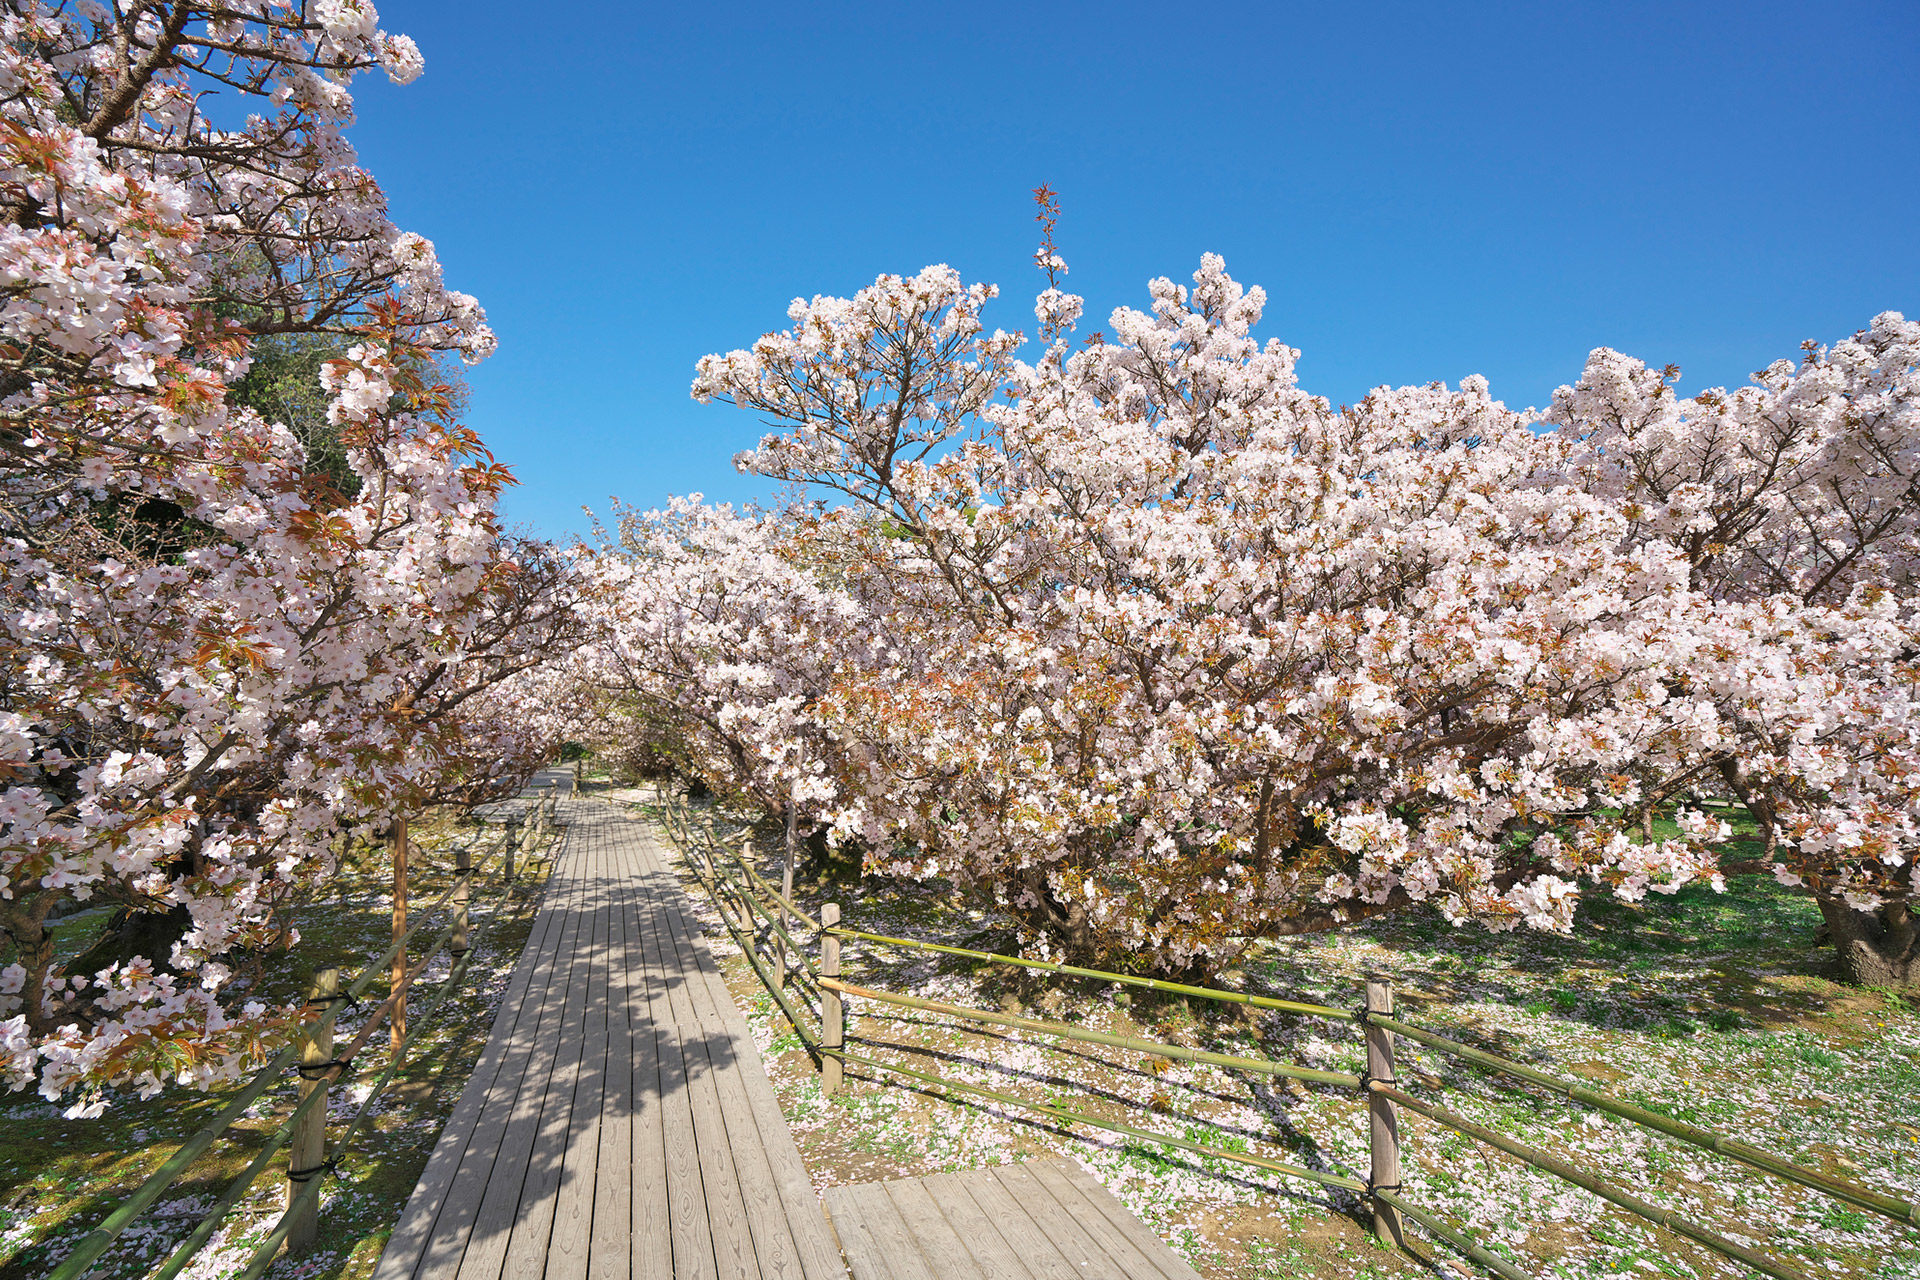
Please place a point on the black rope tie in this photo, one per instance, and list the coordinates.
(323, 1001)
(308, 1175)
(321, 1070)
(1368, 1080)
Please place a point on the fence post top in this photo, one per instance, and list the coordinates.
(829, 913)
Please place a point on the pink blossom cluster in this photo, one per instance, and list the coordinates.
(1165, 652)
(214, 658)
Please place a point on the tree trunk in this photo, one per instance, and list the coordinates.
(1066, 924)
(1878, 947)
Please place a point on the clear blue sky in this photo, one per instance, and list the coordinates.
(1425, 191)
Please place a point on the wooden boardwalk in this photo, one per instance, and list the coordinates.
(619, 1124)
(1042, 1220)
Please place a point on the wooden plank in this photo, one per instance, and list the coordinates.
(695, 1249)
(1042, 1257)
(496, 1221)
(729, 1234)
(410, 1235)
(728, 1046)
(726, 1206)
(620, 1125)
(775, 1157)
(1053, 1220)
(651, 1255)
(856, 1240)
(613, 1253)
(889, 1233)
(690, 1235)
(446, 1246)
(939, 1243)
(669, 1220)
(693, 996)
(674, 1003)
(1088, 1216)
(673, 898)
(819, 1257)
(577, 1163)
(989, 1248)
(1168, 1262)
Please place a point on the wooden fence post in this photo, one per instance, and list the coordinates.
(832, 1015)
(308, 1151)
(713, 877)
(1383, 1124)
(513, 842)
(462, 895)
(397, 1014)
(786, 890)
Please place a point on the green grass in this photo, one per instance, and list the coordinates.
(59, 1177)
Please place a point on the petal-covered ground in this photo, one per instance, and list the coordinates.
(1719, 1009)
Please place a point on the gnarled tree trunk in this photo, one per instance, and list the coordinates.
(1879, 947)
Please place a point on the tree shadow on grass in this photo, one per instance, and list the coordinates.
(1698, 960)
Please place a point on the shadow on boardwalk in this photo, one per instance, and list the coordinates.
(619, 1122)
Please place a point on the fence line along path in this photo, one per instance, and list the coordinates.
(619, 1124)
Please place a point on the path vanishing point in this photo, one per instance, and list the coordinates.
(620, 1126)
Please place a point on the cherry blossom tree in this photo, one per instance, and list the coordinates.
(718, 632)
(214, 653)
(1795, 504)
(1167, 653)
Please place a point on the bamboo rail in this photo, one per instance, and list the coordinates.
(1445, 1231)
(766, 887)
(1733, 1149)
(101, 1238)
(810, 1039)
(1058, 1112)
(831, 1054)
(1065, 1031)
(744, 939)
(684, 823)
(1452, 1235)
(183, 1253)
(1598, 1186)
(1377, 1021)
(263, 1254)
(1152, 984)
(761, 883)
(812, 969)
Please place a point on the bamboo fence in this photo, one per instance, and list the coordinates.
(304, 1191)
(743, 898)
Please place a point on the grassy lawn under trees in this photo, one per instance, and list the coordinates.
(59, 1176)
(1722, 1009)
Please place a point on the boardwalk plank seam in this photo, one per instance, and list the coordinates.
(416, 1224)
(618, 1124)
